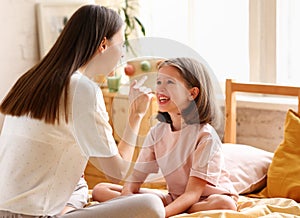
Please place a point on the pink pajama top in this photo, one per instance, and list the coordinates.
(195, 150)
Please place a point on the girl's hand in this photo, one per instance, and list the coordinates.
(126, 190)
(140, 97)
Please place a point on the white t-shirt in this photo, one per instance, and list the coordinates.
(41, 163)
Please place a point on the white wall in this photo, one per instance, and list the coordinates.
(19, 40)
(19, 47)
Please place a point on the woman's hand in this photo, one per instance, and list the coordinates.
(139, 97)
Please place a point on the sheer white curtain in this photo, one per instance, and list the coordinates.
(166, 18)
(216, 29)
(288, 43)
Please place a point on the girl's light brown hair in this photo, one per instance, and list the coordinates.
(204, 108)
(37, 93)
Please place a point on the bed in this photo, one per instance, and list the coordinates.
(268, 183)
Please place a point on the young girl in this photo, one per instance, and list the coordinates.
(184, 145)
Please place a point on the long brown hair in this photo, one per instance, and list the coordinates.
(204, 108)
(37, 93)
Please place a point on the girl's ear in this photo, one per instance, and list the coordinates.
(103, 45)
(194, 92)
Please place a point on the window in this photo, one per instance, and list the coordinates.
(166, 19)
(220, 35)
(216, 29)
(256, 40)
(288, 44)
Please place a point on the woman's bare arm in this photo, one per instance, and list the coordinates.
(116, 167)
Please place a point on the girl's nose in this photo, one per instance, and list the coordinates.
(158, 86)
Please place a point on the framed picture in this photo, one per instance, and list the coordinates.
(51, 19)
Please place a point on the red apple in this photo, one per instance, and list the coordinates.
(129, 69)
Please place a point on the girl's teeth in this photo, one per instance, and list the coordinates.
(162, 99)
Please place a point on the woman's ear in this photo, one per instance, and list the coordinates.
(194, 92)
(103, 45)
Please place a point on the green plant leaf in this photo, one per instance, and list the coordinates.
(141, 25)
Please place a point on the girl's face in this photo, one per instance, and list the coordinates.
(172, 93)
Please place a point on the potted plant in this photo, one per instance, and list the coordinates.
(132, 23)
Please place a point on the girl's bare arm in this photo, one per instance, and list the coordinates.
(191, 196)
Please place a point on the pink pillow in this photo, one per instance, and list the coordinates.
(248, 166)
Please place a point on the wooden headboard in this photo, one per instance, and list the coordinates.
(258, 88)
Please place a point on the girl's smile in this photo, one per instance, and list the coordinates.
(162, 99)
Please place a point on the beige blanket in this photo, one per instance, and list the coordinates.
(254, 207)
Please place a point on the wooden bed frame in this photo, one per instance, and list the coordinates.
(257, 88)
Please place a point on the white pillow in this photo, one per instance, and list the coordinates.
(247, 166)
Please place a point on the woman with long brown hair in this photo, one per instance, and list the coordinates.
(55, 121)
